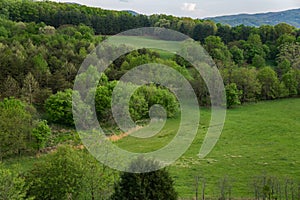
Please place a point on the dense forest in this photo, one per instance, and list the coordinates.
(42, 45)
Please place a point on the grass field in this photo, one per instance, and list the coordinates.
(257, 139)
(260, 138)
(146, 42)
(160, 46)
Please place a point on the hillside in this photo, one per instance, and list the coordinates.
(291, 17)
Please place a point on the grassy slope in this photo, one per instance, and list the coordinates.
(146, 42)
(257, 139)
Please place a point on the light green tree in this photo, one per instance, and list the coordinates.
(58, 176)
(16, 125)
(30, 88)
(232, 95)
(41, 133)
(269, 82)
(12, 187)
(59, 108)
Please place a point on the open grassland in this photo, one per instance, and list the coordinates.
(159, 45)
(146, 42)
(257, 139)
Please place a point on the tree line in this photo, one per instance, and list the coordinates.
(40, 57)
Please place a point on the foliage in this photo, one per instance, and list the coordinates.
(269, 83)
(247, 83)
(161, 96)
(12, 186)
(16, 125)
(290, 53)
(258, 61)
(57, 177)
(103, 98)
(59, 108)
(98, 180)
(42, 133)
(290, 82)
(151, 185)
(232, 95)
(56, 48)
(42, 45)
(69, 173)
(30, 88)
(11, 88)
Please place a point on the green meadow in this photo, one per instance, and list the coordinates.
(259, 139)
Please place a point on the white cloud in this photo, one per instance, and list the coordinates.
(189, 7)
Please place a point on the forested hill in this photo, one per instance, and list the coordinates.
(291, 17)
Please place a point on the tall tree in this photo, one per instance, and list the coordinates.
(232, 95)
(16, 126)
(10, 88)
(30, 88)
(290, 82)
(269, 82)
(290, 52)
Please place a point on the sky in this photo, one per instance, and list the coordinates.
(192, 8)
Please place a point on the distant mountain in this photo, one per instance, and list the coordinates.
(131, 12)
(291, 17)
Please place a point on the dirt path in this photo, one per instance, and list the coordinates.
(119, 137)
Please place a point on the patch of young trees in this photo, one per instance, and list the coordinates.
(21, 131)
(59, 106)
(69, 173)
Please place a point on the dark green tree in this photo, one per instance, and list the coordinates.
(10, 88)
(145, 186)
(258, 61)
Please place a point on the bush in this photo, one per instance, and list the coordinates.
(12, 187)
(232, 95)
(42, 134)
(16, 125)
(147, 186)
(57, 177)
(69, 174)
(157, 95)
(140, 102)
(59, 108)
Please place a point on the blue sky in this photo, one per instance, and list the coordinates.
(193, 8)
